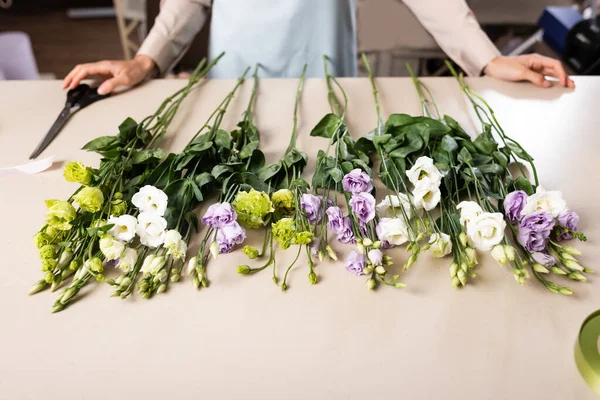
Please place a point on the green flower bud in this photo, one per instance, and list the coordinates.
(453, 269)
(557, 271)
(312, 278)
(76, 171)
(367, 270)
(577, 276)
(510, 252)
(161, 288)
(303, 238)
(250, 251)
(175, 277)
(361, 249)
(125, 282)
(73, 265)
(377, 244)
(283, 287)
(565, 291)
(499, 254)
(371, 283)
(118, 207)
(47, 252)
(215, 249)
(462, 277)
(571, 250)
(380, 270)
(68, 295)
(471, 255)
(399, 285)
(331, 253)
(64, 258)
(420, 236)
(367, 242)
(462, 238)
(566, 256)
(573, 265)
(118, 196)
(283, 201)
(243, 269)
(321, 255)
(588, 270)
(38, 287)
(94, 264)
(196, 282)
(90, 199)
(48, 264)
(540, 268)
(455, 282)
(100, 278)
(40, 239)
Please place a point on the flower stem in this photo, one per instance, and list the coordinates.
(292, 144)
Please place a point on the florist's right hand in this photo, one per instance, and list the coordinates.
(117, 73)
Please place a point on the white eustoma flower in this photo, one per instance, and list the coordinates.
(486, 230)
(151, 229)
(392, 230)
(393, 203)
(124, 227)
(128, 260)
(111, 248)
(441, 245)
(543, 200)
(150, 200)
(427, 197)
(468, 211)
(423, 172)
(176, 246)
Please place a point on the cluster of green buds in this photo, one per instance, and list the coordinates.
(155, 276)
(568, 265)
(465, 260)
(197, 270)
(376, 263)
(505, 254)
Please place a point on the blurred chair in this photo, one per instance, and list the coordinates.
(16, 57)
(131, 16)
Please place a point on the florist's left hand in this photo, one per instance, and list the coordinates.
(528, 67)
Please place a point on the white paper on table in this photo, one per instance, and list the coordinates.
(27, 169)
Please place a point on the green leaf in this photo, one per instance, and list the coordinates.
(457, 130)
(179, 193)
(148, 155)
(222, 139)
(200, 147)
(219, 170)
(196, 190)
(300, 184)
(184, 160)
(467, 144)
(501, 159)
(464, 156)
(101, 143)
(248, 149)
(268, 171)
(127, 130)
(485, 143)
(143, 134)
(492, 169)
(257, 161)
(381, 140)
(391, 173)
(327, 126)
(254, 182)
(336, 174)
(358, 163)
(347, 166)
(448, 144)
(203, 179)
(396, 121)
(436, 128)
(160, 175)
(365, 143)
(522, 154)
(440, 157)
(415, 143)
(480, 159)
(523, 184)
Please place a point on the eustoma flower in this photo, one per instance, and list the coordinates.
(568, 220)
(486, 230)
(229, 235)
(151, 229)
(357, 181)
(514, 203)
(150, 200)
(535, 230)
(543, 200)
(219, 215)
(356, 262)
(311, 205)
(363, 205)
(124, 227)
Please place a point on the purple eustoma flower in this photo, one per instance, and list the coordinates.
(311, 205)
(218, 215)
(535, 230)
(335, 219)
(229, 235)
(357, 181)
(514, 202)
(568, 220)
(544, 259)
(345, 234)
(363, 205)
(356, 262)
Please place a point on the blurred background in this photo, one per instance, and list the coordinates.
(46, 39)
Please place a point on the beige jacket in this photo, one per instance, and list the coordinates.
(450, 22)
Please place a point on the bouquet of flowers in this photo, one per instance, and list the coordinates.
(75, 233)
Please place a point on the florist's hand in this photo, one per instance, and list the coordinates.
(116, 73)
(528, 67)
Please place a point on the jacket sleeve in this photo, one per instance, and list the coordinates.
(454, 27)
(175, 27)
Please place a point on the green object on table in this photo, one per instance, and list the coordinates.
(587, 356)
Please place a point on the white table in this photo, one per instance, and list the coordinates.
(243, 337)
